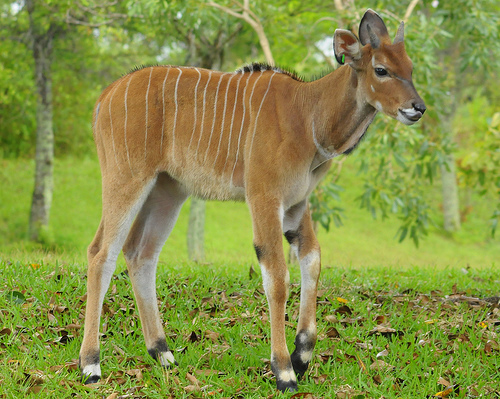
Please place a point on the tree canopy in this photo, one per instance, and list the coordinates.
(454, 47)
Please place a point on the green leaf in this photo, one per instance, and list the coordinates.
(403, 232)
(15, 297)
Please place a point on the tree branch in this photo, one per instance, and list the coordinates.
(409, 10)
(248, 16)
(339, 5)
(327, 58)
(94, 11)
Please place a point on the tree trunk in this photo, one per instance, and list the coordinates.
(44, 157)
(196, 224)
(196, 230)
(451, 204)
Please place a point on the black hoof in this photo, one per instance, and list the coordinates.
(298, 365)
(91, 373)
(90, 379)
(285, 377)
(301, 356)
(286, 386)
(161, 353)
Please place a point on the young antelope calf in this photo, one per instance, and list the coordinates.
(259, 135)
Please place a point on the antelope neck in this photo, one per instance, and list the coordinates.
(339, 114)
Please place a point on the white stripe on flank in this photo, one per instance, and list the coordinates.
(223, 119)
(111, 123)
(232, 123)
(146, 134)
(125, 124)
(195, 107)
(257, 116)
(241, 128)
(97, 113)
(250, 104)
(203, 114)
(213, 121)
(175, 116)
(253, 89)
(163, 115)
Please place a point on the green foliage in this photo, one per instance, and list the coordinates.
(451, 51)
(454, 47)
(17, 100)
(480, 165)
(85, 61)
(323, 204)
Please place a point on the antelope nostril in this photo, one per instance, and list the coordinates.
(420, 107)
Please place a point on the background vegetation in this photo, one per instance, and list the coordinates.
(73, 50)
(413, 209)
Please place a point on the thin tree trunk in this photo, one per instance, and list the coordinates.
(196, 223)
(44, 157)
(451, 204)
(196, 230)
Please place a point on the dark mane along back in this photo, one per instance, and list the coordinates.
(259, 67)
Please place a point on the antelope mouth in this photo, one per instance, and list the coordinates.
(409, 115)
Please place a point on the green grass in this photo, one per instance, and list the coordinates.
(216, 321)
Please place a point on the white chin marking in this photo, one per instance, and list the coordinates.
(404, 119)
(287, 375)
(92, 370)
(167, 359)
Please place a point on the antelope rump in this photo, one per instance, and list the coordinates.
(259, 135)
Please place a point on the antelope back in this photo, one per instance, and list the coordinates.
(197, 125)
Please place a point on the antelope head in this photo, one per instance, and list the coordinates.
(383, 69)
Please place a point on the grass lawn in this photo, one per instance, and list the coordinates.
(383, 333)
(394, 321)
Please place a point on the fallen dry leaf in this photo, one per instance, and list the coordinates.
(385, 352)
(137, 373)
(345, 310)
(304, 395)
(332, 333)
(444, 382)
(380, 365)
(193, 380)
(450, 389)
(331, 319)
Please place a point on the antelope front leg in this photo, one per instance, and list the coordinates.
(300, 234)
(275, 277)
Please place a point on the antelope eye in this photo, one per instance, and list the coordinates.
(381, 72)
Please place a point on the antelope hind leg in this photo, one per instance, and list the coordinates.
(142, 248)
(102, 255)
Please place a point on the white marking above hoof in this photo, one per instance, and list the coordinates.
(167, 359)
(92, 370)
(305, 357)
(287, 375)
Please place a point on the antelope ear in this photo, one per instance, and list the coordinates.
(346, 46)
(372, 29)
